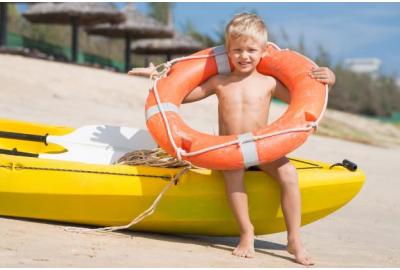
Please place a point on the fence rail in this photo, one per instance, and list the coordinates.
(62, 53)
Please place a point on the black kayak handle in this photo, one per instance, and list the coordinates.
(351, 166)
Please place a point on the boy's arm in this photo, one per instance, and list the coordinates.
(202, 91)
(281, 92)
(321, 74)
(145, 71)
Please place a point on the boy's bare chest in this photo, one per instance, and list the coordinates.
(239, 93)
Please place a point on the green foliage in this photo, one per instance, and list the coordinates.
(301, 45)
(354, 92)
(360, 93)
(323, 59)
(206, 40)
(160, 11)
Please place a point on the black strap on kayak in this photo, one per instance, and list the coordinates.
(313, 165)
(351, 166)
(15, 152)
(23, 136)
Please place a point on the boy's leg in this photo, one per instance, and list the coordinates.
(285, 173)
(237, 197)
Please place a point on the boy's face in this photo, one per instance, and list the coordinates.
(245, 53)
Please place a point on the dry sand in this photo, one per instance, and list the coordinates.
(366, 232)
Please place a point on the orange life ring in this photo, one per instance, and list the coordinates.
(308, 102)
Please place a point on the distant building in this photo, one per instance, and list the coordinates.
(369, 66)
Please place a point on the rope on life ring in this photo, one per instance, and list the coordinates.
(222, 62)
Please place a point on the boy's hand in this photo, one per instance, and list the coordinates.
(323, 75)
(146, 72)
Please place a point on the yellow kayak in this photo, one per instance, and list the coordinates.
(106, 194)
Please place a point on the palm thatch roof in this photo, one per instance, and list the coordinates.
(179, 44)
(61, 13)
(136, 26)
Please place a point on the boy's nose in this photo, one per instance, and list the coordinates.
(244, 55)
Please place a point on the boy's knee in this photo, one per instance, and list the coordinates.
(288, 174)
(235, 174)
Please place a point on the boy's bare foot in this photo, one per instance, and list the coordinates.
(246, 246)
(300, 254)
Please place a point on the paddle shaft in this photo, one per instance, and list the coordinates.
(15, 152)
(23, 136)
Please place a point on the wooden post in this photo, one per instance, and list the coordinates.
(3, 24)
(74, 38)
(127, 52)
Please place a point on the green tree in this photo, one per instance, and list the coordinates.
(301, 46)
(160, 11)
(323, 58)
(190, 29)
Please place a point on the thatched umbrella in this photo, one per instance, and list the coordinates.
(3, 24)
(136, 26)
(179, 44)
(75, 14)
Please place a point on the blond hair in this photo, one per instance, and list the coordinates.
(246, 25)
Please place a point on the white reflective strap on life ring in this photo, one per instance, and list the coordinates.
(166, 107)
(248, 148)
(222, 60)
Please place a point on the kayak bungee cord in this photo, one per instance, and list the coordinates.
(153, 157)
(143, 215)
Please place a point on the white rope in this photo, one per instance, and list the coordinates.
(181, 152)
(184, 58)
(254, 138)
(140, 217)
(178, 150)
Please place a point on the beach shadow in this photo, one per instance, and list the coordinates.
(217, 242)
(230, 243)
(120, 142)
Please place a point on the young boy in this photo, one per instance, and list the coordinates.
(244, 98)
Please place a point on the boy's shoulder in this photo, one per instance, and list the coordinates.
(267, 79)
(219, 79)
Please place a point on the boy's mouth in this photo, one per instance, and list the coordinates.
(243, 64)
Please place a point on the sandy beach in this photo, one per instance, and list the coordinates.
(365, 233)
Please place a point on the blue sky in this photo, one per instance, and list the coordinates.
(345, 29)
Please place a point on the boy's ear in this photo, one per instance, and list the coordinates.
(265, 52)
